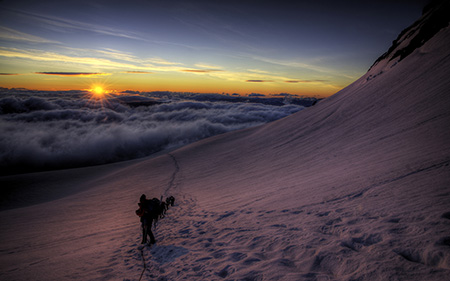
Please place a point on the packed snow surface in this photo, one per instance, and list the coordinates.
(355, 188)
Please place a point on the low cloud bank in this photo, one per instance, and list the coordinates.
(42, 131)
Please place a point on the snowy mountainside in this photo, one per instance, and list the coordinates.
(355, 188)
(435, 17)
(362, 178)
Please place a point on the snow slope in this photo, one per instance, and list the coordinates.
(355, 188)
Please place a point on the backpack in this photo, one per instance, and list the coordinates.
(153, 207)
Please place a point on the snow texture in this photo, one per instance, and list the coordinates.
(355, 188)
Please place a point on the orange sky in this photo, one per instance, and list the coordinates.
(184, 82)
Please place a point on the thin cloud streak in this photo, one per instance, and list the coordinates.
(15, 35)
(201, 70)
(258, 71)
(112, 54)
(138, 72)
(160, 61)
(207, 66)
(294, 64)
(38, 55)
(62, 24)
(306, 81)
(71, 74)
(307, 66)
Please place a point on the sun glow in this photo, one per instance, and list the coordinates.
(98, 92)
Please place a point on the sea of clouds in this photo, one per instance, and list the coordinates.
(54, 130)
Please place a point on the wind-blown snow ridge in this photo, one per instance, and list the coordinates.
(354, 188)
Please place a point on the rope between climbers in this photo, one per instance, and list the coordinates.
(145, 266)
(170, 185)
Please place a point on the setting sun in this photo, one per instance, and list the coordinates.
(98, 92)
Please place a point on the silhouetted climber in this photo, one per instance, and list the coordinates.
(146, 212)
(170, 201)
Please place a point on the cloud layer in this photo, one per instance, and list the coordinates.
(43, 131)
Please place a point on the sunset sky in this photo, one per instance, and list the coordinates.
(311, 48)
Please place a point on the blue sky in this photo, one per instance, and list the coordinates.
(298, 47)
